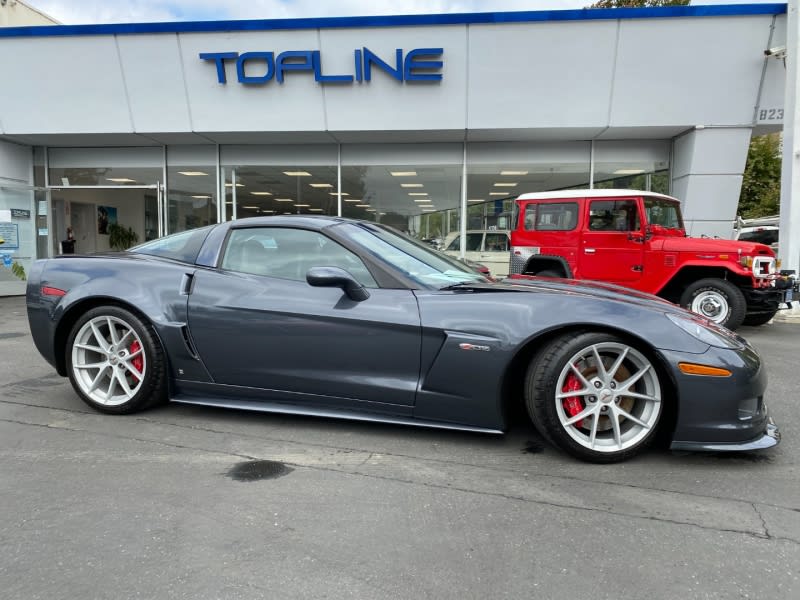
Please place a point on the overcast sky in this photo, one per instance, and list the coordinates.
(134, 11)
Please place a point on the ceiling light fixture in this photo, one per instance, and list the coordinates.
(512, 173)
(192, 173)
(297, 173)
(261, 193)
(202, 197)
(403, 173)
(504, 184)
(120, 180)
(417, 193)
(321, 185)
(283, 200)
(412, 185)
(338, 193)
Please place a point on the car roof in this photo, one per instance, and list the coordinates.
(591, 194)
(305, 221)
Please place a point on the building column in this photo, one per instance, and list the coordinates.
(789, 250)
(707, 168)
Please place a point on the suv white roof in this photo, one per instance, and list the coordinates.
(590, 194)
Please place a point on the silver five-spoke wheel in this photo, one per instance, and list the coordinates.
(609, 398)
(108, 360)
(595, 395)
(115, 361)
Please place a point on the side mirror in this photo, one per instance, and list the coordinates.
(336, 277)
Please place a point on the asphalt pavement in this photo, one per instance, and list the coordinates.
(172, 503)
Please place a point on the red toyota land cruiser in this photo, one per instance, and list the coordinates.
(637, 239)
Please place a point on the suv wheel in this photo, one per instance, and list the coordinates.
(716, 299)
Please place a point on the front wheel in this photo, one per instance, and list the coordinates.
(716, 299)
(759, 318)
(115, 361)
(595, 396)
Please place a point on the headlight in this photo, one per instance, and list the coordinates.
(707, 332)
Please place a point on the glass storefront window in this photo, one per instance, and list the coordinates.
(637, 165)
(412, 187)
(499, 172)
(18, 243)
(277, 180)
(105, 166)
(191, 189)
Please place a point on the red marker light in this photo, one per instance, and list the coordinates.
(51, 291)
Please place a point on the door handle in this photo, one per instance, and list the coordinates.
(589, 250)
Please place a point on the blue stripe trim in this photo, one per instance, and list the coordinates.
(724, 10)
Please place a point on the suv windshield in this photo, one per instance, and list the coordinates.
(414, 259)
(663, 212)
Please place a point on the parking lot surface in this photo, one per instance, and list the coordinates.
(169, 504)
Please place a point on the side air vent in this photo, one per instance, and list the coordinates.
(187, 339)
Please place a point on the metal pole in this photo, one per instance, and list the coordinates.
(462, 246)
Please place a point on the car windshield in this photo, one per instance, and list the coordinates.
(666, 213)
(413, 258)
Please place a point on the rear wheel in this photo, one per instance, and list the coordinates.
(759, 318)
(595, 396)
(716, 299)
(549, 273)
(115, 362)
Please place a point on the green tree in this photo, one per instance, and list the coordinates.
(761, 183)
(636, 3)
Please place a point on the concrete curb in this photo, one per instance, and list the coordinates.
(791, 315)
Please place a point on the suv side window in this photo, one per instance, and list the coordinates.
(614, 215)
(551, 216)
(289, 254)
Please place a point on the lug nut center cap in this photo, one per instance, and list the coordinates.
(606, 396)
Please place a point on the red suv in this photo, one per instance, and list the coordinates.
(637, 239)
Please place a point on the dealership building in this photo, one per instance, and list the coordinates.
(431, 123)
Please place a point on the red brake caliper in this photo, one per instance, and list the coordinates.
(572, 405)
(138, 361)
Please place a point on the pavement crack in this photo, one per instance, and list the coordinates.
(763, 521)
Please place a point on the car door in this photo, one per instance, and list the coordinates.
(612, 247)
(256, 322)
(496, 253)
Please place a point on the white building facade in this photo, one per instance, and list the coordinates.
(430, 123)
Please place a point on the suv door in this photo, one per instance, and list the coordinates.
(612, 244)
(496, 253)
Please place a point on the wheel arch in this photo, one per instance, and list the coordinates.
(512, 392)
(688, 274)
(78, 309)
(544, 262)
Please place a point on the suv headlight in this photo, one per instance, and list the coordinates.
(707, 332)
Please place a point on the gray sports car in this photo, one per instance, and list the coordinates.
(339, 318)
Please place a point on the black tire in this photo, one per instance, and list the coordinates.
(119, 360)
(551, 369)
(756, 319)
(716, 291)
(549, 273)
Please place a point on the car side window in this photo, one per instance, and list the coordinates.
(614, 215)
(455, 245)
(289, 254)
(551, 216)
(474, 241)
(496, 242)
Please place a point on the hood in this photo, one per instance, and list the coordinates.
(595, 289)
(714, 246)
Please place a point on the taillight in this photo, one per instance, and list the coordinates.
(52, 291)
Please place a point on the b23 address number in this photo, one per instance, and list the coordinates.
(770, 114)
